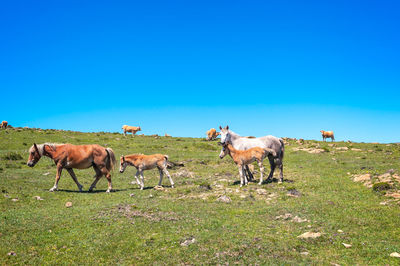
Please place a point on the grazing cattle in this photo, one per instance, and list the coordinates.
(244, 143)
(166, 135)
(212, 134)
(243, 158)
(130, 129)
(69, 156)
(4, 124)
(146, 162)
(327, 134)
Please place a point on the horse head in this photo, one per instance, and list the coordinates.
(34, 155)
(225, 134)
(123, 164)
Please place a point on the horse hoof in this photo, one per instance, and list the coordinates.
(108, 191)
(260, 183)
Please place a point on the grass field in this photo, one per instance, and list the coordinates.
(187, 224)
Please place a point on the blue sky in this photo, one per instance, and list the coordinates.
(286, 68)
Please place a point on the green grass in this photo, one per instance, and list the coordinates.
(149, 226)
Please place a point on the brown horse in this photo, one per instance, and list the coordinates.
(70, 156)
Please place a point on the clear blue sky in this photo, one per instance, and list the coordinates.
(286, 68)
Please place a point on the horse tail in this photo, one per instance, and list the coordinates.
(270, 151)
(282, 148)
(110, 159)
(166, 157)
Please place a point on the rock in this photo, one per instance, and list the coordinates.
(47, 173)
(151, 195)
(308, 235)
(346, 245)
(189, 241)
(342, 148)
(362, 178)
(159, 188)
(225, 199)
(261, 191)
(293, 193)
(340, 231)
(285, 216)
(395, 255)
(394, 195)
(297, 219)
(355, 149)
(16, 199)
(131, 195)
(305, 253)
(68, 204)
(12, 253)
(37, 198)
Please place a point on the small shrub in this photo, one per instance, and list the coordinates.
(12, 156)
(325, 149)
(205, 186)
(381, 186)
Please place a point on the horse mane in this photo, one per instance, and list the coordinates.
(233, 134)
(40, 147)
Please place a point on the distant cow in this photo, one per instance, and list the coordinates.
(130, 129)
(327, 134)
(167, 135)
(4, 124)
(212, 134)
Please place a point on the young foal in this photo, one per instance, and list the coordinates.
(146, 162)
(243, 158)
(70, 156)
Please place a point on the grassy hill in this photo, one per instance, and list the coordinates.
(187, 224)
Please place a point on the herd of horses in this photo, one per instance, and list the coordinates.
(243, 151)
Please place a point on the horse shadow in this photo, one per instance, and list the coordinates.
(93, 191)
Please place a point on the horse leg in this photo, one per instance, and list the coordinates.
(241, 175)
(260, 164)
(97, 178)
(169, 176)
(72, 174)
(273, 165)
(161, 177)
(107, 174)
(280, 172)
(142, 180)
(249, 173)
(58, 176)
(137, 179)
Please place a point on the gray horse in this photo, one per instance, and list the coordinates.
(244, 143)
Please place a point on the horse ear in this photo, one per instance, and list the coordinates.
(227, 127)
(220, 127)
(123, 158)
(36, 148)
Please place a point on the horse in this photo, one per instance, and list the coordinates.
(69, 156)
(4, 124)
(212, 134)
(270, 142)
(130, 129)
(246, 157)
(146, 162)
(327, 134)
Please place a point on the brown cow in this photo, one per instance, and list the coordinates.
(130, 129)
(327, 134)
(4, 124)
(212, 134)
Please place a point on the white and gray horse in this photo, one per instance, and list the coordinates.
(244, 143)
